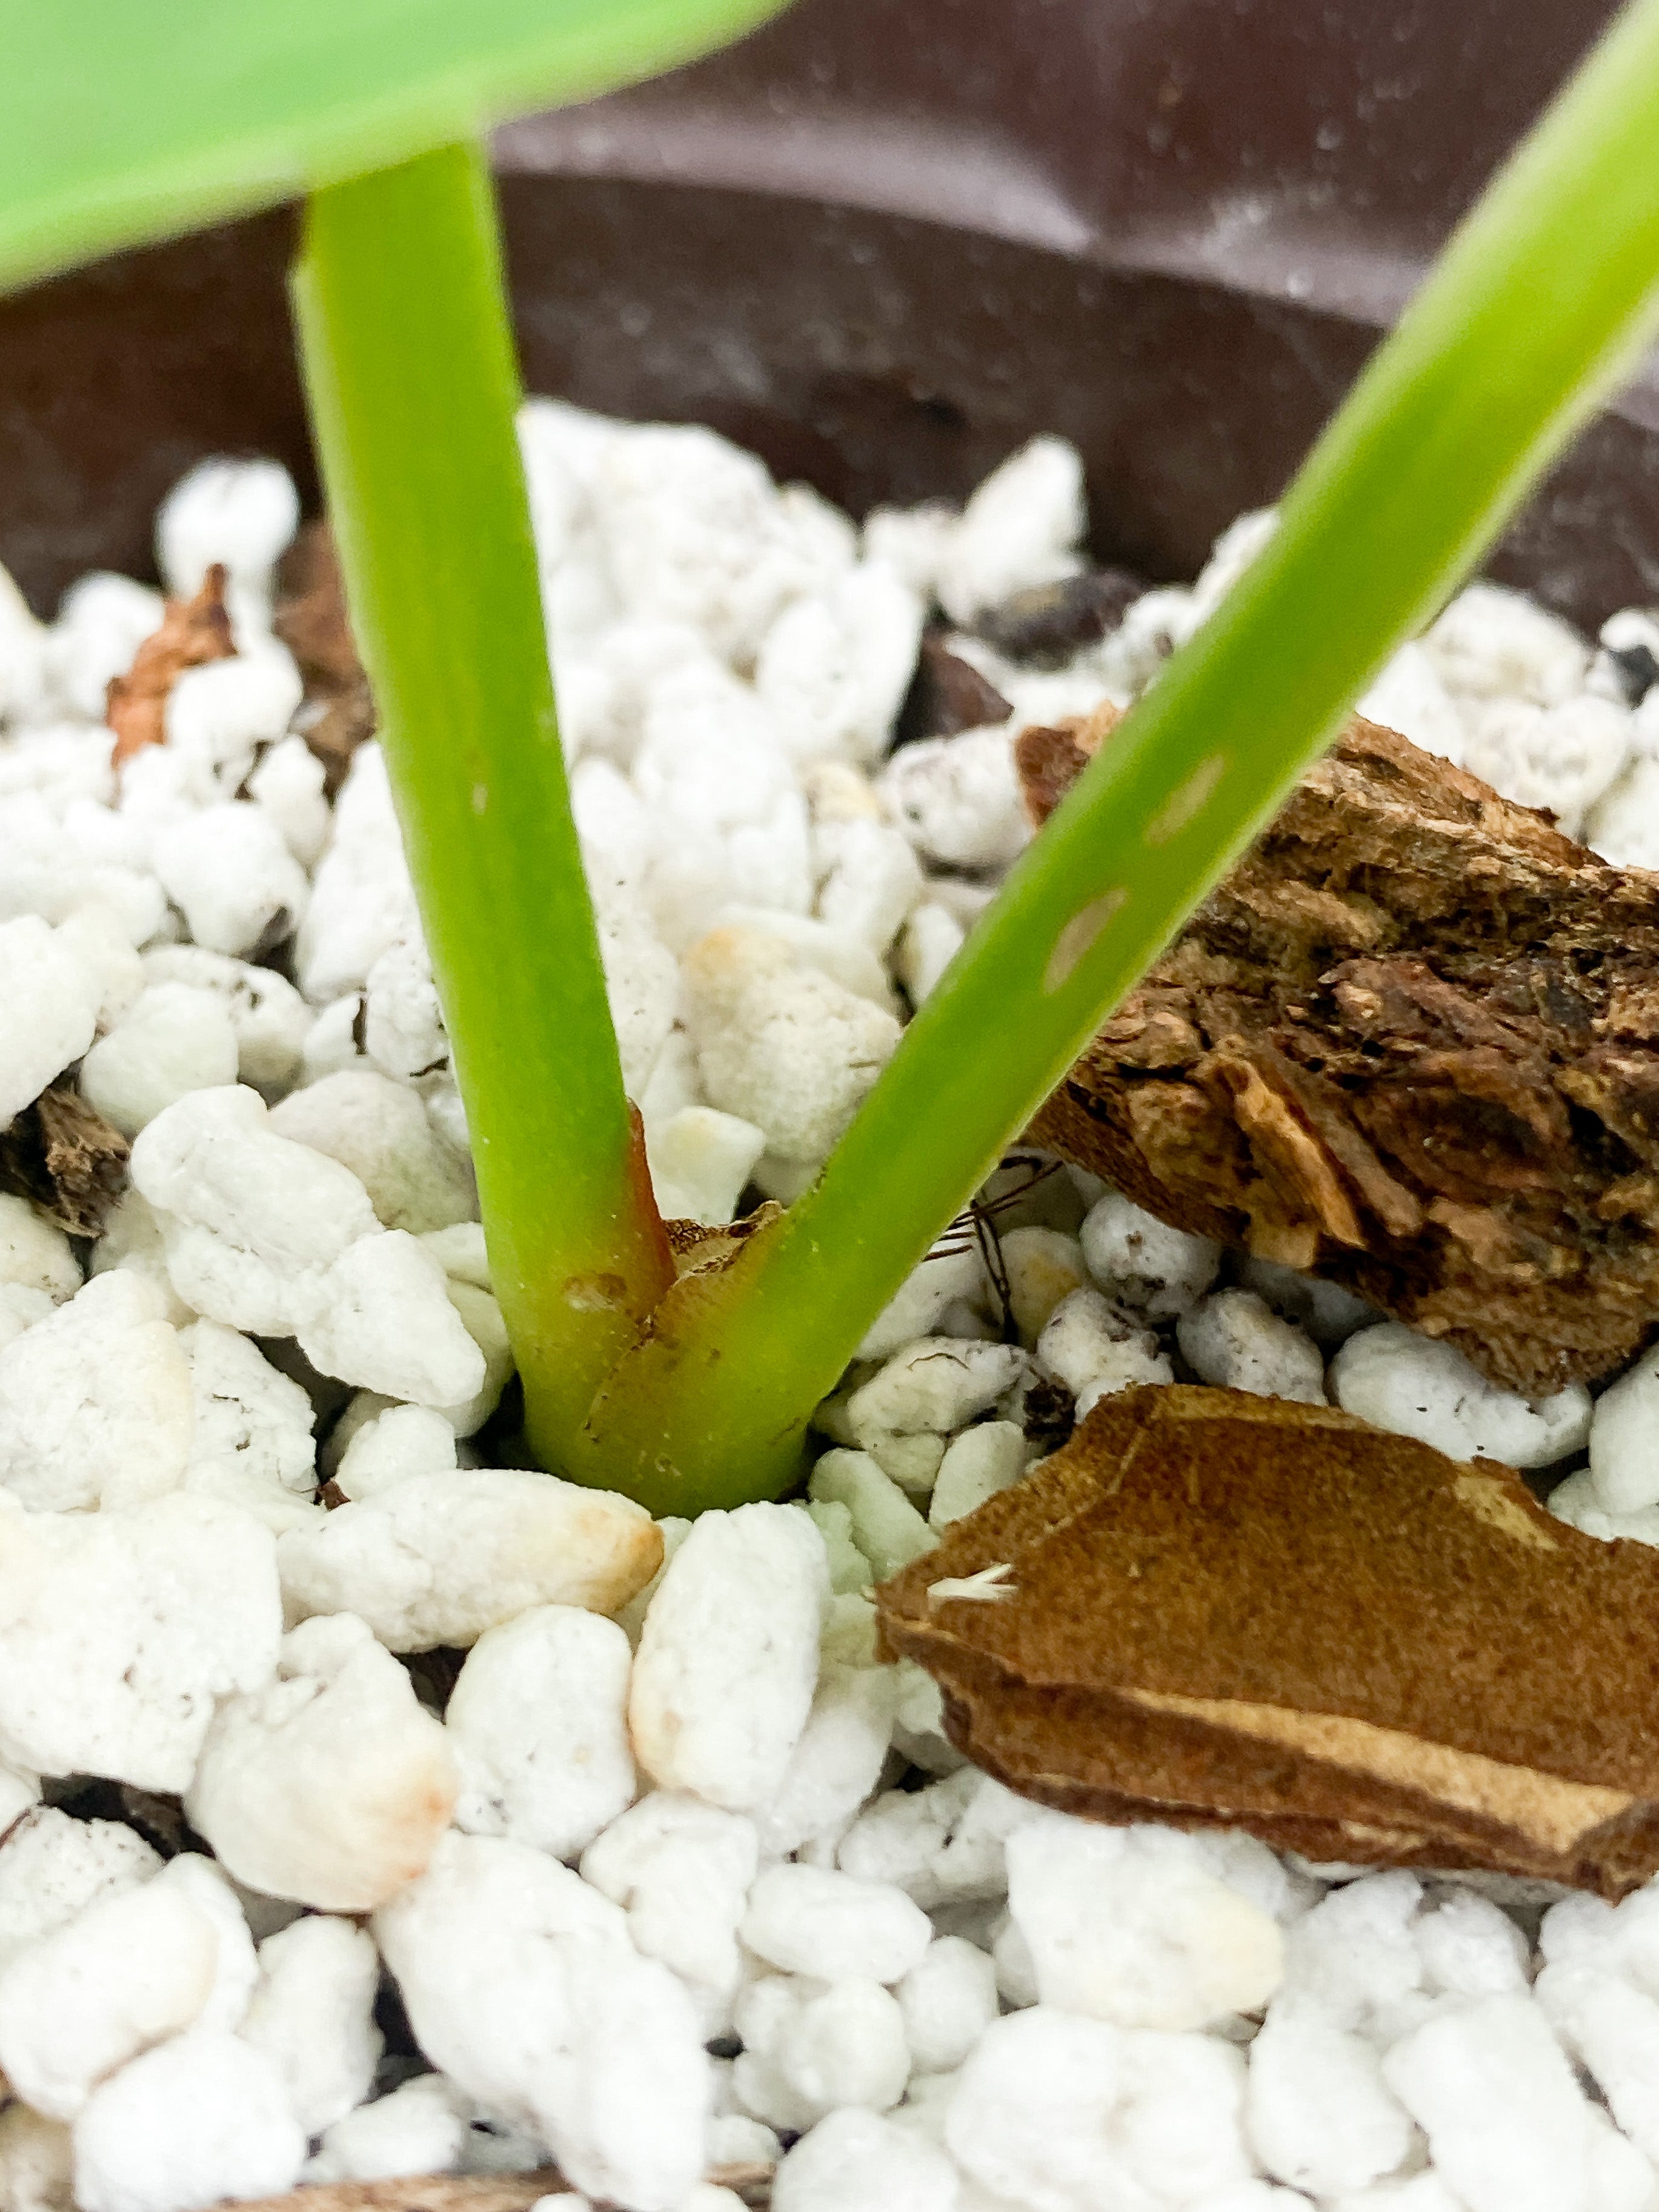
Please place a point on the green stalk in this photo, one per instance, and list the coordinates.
(410, 366)
(1539, 303)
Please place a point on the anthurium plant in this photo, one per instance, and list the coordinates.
(125, 122)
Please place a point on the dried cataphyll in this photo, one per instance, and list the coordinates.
(1127, 1635)
(1410, 1043)
(192, 631)
(311, 620)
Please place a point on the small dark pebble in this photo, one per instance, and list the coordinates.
(396, 2068)
(329, 1396)
(159, 1818)
(393, 2021)
(1049, 1414)
(501, 1441)
(434, 1675)
(946, 696)
(275, 934)
(1638, 672)
(1044, 626)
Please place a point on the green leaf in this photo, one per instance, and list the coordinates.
(1539, 304)
(124, 120)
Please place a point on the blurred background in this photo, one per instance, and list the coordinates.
(883, 242)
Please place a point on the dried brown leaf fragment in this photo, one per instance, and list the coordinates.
(313, 623)
(1412, 1042)
(65, 1157)
(1229, 1611)
(310, 616)
(192, 631)
(344, 723)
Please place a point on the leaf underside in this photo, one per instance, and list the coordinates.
(121, 122)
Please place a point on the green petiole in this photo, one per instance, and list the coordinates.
(1536, 305)
(409, 359)
(1541, 299)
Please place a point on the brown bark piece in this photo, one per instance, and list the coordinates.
(1050, 759)
(425, 2192)
(66, 1158)
(1411, 1041)
(471, 2192)
(192, 631)
(312, 620)
(1231, 1611)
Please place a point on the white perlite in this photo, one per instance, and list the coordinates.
(1097, 1349)
(312, 2015)
(1508, 2126)
(1236, 1342)
(331, 1785)
(539, 1721)
(118, 1631)
(250, 1441)
(837, 1760)
(1624, 1441)
(1142, 1263)
(48, 1011)
(1318, 2113)
(250, 1220)
(421, 2128)
(380, 1130)
(682, 1870)
(176, 1040)
(129, 1972)
(855, 2159)
(51, 1868)
(440, 1557)
(33, 1253)
(389, 1324)
(728, 1660)
(810, 1920)
(201, 2117)
(1398, 1380)
(1127, 1925)
(95, 1401)
(780, 1044)
(521, 1983)
(941, 1997)
(1053, 2112)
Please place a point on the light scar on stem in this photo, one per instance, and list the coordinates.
(1179, 812)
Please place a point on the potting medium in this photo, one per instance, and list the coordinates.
(374, 1804)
